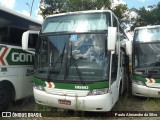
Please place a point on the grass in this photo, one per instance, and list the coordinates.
(134, 103)
(151, 104)
(42, 108)
(124, 103)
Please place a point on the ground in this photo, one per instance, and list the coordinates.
(125, 106)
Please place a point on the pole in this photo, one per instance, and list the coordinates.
(31, 8)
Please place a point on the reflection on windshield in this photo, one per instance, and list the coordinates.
(146, 55)
(76, 23)
(147, 35)
(76, 57)
(89, 47)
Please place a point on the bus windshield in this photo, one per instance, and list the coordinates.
(73, 57)
(147, 55)
(76, 23)
(147, 35)
(146, 47)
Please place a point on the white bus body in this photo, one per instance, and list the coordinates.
(67, 73)
(16, 65)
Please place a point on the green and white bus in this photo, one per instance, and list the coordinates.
(80, 61)
(16, 65)
(146, 61)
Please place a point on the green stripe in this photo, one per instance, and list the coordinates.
(39, 81)
(70, 86)
(140, 78)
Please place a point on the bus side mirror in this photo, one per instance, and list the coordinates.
(26, 37)
(129, 48)
(112, 36)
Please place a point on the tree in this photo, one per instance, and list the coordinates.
(120, 11)
(49, 7)
(79, 5)
(103, 4)
(150, 16)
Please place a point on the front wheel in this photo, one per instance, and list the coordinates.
(4, 98)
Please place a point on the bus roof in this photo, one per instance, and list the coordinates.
(19, 14)
(144, 27)
(79, 12)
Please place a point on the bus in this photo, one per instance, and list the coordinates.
(146, 61)
(16, 65)
(80, 61)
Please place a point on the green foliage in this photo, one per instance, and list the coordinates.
(148, 17)
(119, 11)
(49, 7)
(78, 5)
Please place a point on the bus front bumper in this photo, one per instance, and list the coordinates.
(87, 103)
(144, 91)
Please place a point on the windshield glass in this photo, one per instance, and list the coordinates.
(74, 57)
(147, 35)
(76, 23)
(146, 55)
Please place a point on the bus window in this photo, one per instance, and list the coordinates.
(3, 34)
(32, 40)
(114, 22)
(15, 36)
(114, 67)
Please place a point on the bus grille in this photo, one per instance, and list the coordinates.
(63, 92)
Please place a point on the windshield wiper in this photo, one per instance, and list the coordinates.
(73, 61)
(60, 58)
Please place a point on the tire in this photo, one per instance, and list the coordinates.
(5, 98)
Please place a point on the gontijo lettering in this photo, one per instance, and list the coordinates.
(21, 57)
(14, 56)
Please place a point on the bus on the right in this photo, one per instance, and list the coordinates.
(146, 61)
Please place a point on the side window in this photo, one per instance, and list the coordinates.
(44, 46)
(115, 24)
(114, 67)
(15, 36)
(43, 53)
(3, 34)
(32, 40)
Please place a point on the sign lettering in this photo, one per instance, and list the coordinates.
(21, 57)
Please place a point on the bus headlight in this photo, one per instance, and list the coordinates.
(138, 82)
(38, 87)
(98, 91)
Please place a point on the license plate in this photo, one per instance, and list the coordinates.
(66, 102)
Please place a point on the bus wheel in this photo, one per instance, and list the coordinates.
(4, 98)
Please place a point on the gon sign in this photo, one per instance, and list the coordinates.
(19, 57)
